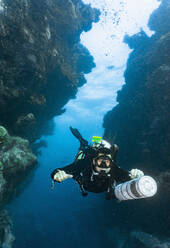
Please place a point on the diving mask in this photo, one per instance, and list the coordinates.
(103, 161)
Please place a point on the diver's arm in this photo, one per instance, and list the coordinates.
(122, 175)
(76, 168)
(135, 173)
(59, 174)
(73, 170)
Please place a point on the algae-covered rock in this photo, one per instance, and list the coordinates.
(6, 235)
(42, 62)
(3, 134)
(16, 160)
(140, 123)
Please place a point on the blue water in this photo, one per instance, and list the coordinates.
(62, 217)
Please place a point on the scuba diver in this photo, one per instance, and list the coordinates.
(95, 168)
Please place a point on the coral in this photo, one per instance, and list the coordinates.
(41, 60)
(3, 134)
(140, 123)
(6, 235)
(16, 160)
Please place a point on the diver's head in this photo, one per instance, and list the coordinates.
(102, 163)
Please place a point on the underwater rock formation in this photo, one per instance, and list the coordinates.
(16, 160)
(42, 62)
(144, 240)
(140, 123)
(6, 236)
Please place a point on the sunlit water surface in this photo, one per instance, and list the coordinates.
(62, 218)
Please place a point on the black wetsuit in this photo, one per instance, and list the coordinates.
(91, 181)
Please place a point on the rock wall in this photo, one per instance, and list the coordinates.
(42, 63)
(16, 160)
(6, 235)
(41, 60)
(140, 123)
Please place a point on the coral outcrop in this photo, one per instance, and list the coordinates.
(140, 123)
(6, 235)
(41, 60)
(16, 160)
(3, 134)
(42, 64)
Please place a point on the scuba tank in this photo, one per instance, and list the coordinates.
(138, 188)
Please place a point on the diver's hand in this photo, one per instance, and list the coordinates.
(61, 176)
(135, 173)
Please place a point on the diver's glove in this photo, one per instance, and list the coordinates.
(61, 175)
(135, 173)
